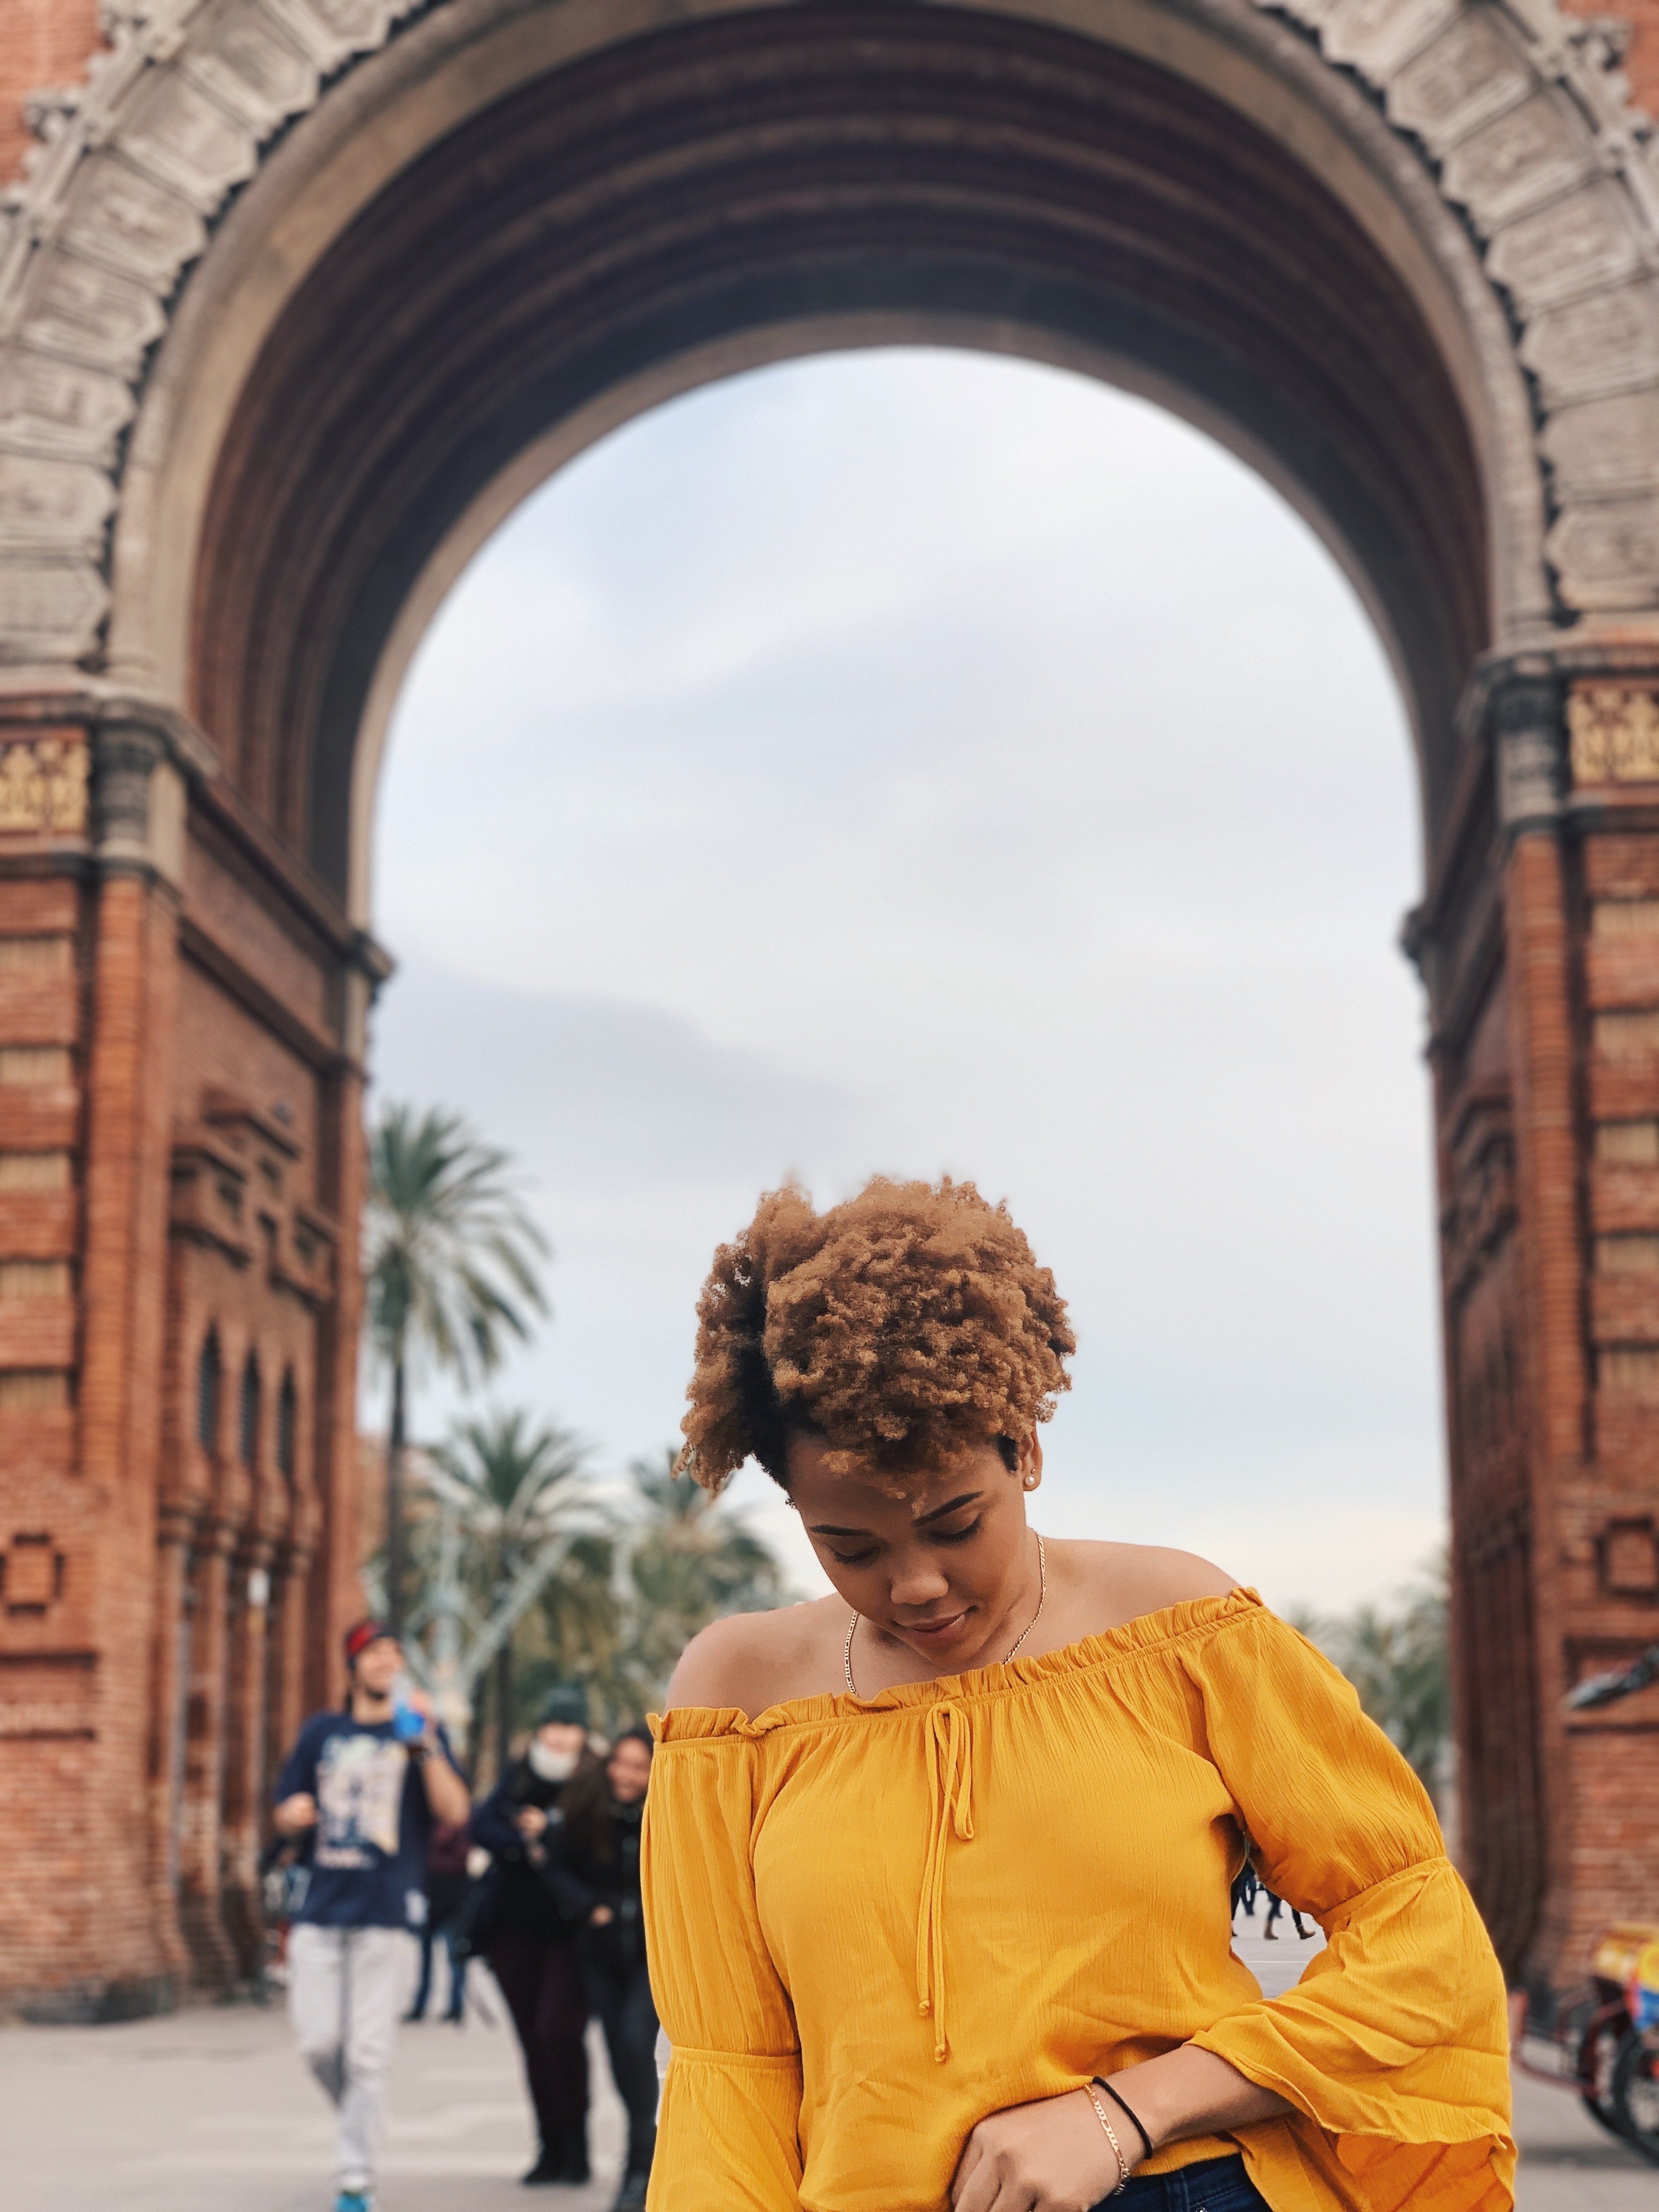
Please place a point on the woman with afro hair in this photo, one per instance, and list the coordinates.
(938, 1870)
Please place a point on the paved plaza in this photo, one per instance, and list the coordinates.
(210, 2111)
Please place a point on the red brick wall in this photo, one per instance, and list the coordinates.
(1642, 62)
(43, 44)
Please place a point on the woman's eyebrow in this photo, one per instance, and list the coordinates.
(968, 1497)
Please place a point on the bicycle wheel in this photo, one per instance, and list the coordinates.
(1603, 2055)
(1636, 2096)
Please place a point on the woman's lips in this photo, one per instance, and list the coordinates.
(932, 1627)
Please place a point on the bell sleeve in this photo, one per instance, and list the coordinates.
(727, 2135)
(1395, 2043)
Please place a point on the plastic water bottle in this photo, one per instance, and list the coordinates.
(407, 1725)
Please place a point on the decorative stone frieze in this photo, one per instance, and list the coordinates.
(1528, 119)
(1524, 111)
(43, 787)
(1607, 447)
(1614, 731)
(116, 203)
(1529, 153)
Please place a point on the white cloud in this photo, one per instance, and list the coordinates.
(913, 761)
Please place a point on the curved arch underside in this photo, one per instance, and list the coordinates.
(736, 175)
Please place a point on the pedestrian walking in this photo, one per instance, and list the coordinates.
(445, 1890)
(528, 1942)
(368, 1784)
(595, 1871)
(1275, 1912)
(936, 1869)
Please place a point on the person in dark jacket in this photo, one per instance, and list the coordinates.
(446, 1891)
(595, 1872)
(528, 1942)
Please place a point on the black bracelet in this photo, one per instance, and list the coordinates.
(1147, 2139)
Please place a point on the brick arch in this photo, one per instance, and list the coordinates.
(1401, 253)
(804, 178)
(1517, 115)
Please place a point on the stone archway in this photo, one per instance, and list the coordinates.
(299, 296)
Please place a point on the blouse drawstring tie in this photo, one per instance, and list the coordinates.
(949, 1774)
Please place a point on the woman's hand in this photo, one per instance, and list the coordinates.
(531, 1821)
(1051, 2156)
(600, 1916)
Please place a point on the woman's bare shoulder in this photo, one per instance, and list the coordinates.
(754, 1660)
(1119, 1582)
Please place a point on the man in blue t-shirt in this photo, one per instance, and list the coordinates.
(368, 1785)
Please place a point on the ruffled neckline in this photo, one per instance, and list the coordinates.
(1146, 1632)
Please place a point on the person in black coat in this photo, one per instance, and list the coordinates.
(594, 1871)
(529, 1941)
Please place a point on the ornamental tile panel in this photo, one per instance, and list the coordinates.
(49, 405)
(187, 140)
(1530, 154)
(1607, 554)
(1377, 36)
(1471, 73)
(53, 608)
(1606, 446)
(91, 314)
(49, 502)
(119, 216)
(254, 67)
(1580, 244)
(1607, 343)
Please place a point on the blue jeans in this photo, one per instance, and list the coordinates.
(1215, 2184)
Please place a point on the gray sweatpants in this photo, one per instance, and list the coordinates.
(347, 1990)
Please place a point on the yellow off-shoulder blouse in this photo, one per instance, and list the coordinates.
(873, 1921)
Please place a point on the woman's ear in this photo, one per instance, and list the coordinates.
(1030, 1461)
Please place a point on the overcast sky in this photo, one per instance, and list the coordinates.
(918, 761)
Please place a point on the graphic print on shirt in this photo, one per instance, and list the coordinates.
(359, 1794)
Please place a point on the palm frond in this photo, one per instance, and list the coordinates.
(451, 1251)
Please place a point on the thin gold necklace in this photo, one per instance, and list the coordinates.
(1042, 1594)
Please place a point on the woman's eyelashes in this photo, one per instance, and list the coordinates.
(935, 1536)
(958, 1536)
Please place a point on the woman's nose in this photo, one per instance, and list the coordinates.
(917, 1582)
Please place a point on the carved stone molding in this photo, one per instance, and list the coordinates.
(1521, 112)
(43, 786)
(116, 203)
(1526, 117)
(1614, 732)
(1481, 1207)
(1526, 725)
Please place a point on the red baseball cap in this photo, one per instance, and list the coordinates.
(365, 1632)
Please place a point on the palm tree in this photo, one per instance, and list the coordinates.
(1396, 1658)
(581, 1631)
(451, 1272)
(692, 1561)
(512, 1485)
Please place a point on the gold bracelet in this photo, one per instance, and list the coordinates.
(1111, 2138)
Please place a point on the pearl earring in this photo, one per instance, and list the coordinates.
(1030, 1482)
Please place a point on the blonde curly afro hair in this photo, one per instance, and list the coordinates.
(900, 1326)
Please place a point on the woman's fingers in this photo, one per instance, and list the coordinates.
(1050, 2156)
(987, 2180)
(967, 2185)
(979, 2185)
